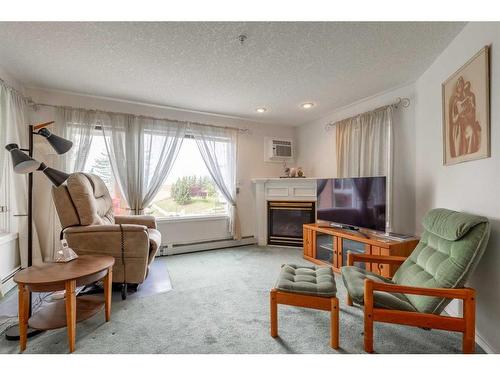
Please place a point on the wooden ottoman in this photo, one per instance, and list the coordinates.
(306, 286)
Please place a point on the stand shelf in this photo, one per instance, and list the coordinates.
(329, 246)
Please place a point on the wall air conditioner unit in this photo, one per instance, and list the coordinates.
(278, 150)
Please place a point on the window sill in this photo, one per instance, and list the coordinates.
(191, 218)
(7, 237)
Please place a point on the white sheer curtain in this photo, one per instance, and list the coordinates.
(218, 148)
(364, 147)
(14, 129)
(78, 126)
(142, 152)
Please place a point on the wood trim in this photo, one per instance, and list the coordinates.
(274, 314)
(463, 293)
(468, 340)
(23, 296)
(71, 313)
(368, 315)
(338, 250)
(465, 324)
(108, 291)
(368, 258)
(416, 319)
(363, 236)
(392, 253)
(303, 300)
(43, 125)
(334, 323)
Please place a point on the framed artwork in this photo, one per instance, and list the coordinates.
(466, 111)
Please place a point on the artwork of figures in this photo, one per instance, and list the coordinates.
(466, 122)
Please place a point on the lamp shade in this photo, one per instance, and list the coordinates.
(55, 176)
(59, 144)
(21, 162)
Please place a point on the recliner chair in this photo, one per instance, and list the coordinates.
(435, 273)
(85, 211)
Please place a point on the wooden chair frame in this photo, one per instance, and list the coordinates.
(331, 304)
(465, 324)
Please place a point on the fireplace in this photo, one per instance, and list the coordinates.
(285, 220)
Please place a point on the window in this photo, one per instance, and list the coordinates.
(98, 163)
(188, 190)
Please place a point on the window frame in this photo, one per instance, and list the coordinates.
(183, 218)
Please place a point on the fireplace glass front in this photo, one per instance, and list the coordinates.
(285, 220)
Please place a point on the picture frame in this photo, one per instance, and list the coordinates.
(466, 111)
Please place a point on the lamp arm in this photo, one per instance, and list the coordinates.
(42, 125)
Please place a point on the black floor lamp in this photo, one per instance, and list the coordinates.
(25, 164)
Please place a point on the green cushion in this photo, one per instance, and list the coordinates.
(450, 225)
(311, 280)
(354, 280)
(449, 249)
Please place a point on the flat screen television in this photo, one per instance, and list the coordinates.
(359, 202)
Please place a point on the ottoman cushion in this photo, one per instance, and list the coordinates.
(311, 280)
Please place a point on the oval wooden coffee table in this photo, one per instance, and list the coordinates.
(51, 277)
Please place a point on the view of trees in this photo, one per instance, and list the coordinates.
(187, 187)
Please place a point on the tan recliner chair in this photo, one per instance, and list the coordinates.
(85, 211)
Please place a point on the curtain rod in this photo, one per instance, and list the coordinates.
(403, 102)
(29, 101)
(241, 130)
(17, 92)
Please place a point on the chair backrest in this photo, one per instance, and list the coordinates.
(449, 250)
(83, 200)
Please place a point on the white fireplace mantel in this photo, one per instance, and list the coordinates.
(279, 189)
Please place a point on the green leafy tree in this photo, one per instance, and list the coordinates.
(181, 190)
(208, 185)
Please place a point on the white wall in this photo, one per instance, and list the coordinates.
(472, 186)
(11, 80)
(317, 150)
(250, 162)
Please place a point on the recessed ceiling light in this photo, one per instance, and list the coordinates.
(307, 105)
(261, 110)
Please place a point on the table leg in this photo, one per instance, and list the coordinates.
(71, 313)
(23, 295)
(108, 281)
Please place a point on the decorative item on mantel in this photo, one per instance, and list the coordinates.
(294, 172)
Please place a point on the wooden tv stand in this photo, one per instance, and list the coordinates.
(329, 246)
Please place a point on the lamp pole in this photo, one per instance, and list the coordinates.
(25, 164)
(13, 332)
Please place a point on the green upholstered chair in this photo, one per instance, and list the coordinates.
(435, 273)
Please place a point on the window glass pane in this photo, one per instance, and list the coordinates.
(188, 190)
(98, 163)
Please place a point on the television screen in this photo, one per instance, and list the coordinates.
(359, 201)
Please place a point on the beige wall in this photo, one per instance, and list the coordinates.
(472, 186)
(317, 150)
(250, 162)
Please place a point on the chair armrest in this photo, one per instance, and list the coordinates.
(454, 293)
(367, 258)
(105, 228)
(106, 240)
(148, 221)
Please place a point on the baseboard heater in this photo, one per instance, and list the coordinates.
(172, 249)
